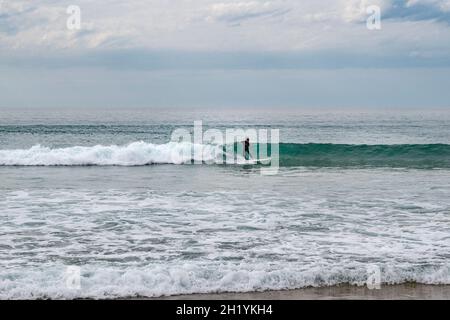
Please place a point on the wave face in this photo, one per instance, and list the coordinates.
(291, 154)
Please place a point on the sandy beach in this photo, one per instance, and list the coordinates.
(345, 292)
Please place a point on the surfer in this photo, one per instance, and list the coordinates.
(247, 154)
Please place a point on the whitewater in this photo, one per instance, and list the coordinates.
(133, 154)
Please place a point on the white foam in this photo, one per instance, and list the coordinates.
(133, 154)
(155, 281)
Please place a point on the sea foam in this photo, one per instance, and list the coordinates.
(134, 154)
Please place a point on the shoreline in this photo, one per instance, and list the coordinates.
(406, 291)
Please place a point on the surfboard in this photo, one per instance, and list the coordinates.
(256, 161)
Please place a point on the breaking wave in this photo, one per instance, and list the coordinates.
(290, 154)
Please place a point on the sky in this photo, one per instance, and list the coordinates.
(196, 53)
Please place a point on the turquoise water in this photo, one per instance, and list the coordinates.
(354, 190)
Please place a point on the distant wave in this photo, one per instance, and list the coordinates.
(291, 154)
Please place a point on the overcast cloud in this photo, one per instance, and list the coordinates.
(157, 35)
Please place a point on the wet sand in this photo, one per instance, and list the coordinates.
(345, 292)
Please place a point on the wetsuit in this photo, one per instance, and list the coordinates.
(247, 150)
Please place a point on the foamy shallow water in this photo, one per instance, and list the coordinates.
(162, 230)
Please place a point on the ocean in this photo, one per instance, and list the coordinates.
(92, 204)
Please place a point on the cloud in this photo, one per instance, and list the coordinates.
(41, 26)
(199, 52)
